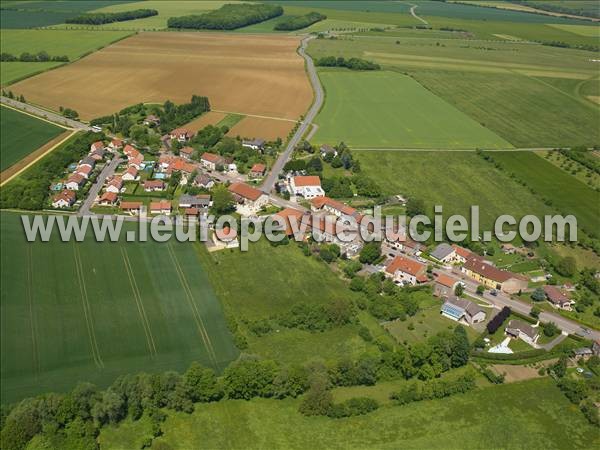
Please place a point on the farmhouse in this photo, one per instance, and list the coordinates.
(98, 145)
(520, 329)
(494, 278)
(108, 198)
(194, 201)
(462, 310)
(327, 150)
(161, 207)
(308, 187)
(154, 185)
(249, 200)
(84, 171)
(405, 270)
(116, 144)
(257, 171)
(254, 144)
(74, 182)
(181, 134)
(444, 285)
(186, 152)
(115, 185)
(557, 298)
(132, 208)
(203, 181)
(131, 174)
(226, 237)
(444, 253)
(65, 199)
(334, 207)
(211, 161)
(296, 222)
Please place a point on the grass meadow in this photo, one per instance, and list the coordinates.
(91, 311)
(531, 414)
(389, 110)
(21, 135)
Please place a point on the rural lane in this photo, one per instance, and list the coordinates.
(414, 14)
(44, 114)
(271, 178)
(108, 170)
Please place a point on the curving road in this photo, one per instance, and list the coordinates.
(269, 182)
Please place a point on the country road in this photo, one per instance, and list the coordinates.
(44, 114)
(414, 14)
(271, 178)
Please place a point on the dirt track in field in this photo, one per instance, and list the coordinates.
(249, 74)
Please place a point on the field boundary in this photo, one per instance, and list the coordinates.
(34, 346)
(4, 105)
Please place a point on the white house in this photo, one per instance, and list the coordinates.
(522, 330)
(405, 270)
(84, 171)
(131, 174)
(249, 200)
(74, 182)
(254, 144)
(211, 160)
(307, 186)
(65, 199)
(115, 185)
(162, 207)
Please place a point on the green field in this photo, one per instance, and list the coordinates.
(72, 43)
(91, 311)
(455, 180)
(581, 30)
(230, 120)
(568, 195)
(532, 414)
(389, 110)
(22, 134)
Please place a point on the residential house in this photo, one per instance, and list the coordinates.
(254, 144)
(327, 150)
(203, 181)
(97, 155)
(132, 208)
(191, 212)
(444, 253)
(462, 310)
(131, 152)
(161, 207)
(75, 181)
(407, 271)
(249, 200)
(398, 240)
(98, 145)
(84, 171)
(226, 237)
(180, 165)
(137, 162)
(181, 134)
(154, 185)
(557, 298)
(88, 161)
(296, 222)
(108, 198)
(211, 160)
(115, 185)
(257, 171)
(494, 278)
(151, 120)
(65, 199)
(229, 164)
(461, 254)
(116, 144)
(194, 201)
(307, 186)
(334, 207)
(186, 153)
(519, 329)
(131, 174)
(444, 285)
(583, 353)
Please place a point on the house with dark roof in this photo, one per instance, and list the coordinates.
(327, 150)
(194, 201)
(444, 253)
(203, 181)
(462, 310)
(520, 330)
(254, 144)
(494, 278)
(557, 298)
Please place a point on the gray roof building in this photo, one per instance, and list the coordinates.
(442, 251)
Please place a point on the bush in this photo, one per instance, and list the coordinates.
(428, 390)
(353, 407)
(228, 17)
(550, 329)
(351, 63)
(498, 320)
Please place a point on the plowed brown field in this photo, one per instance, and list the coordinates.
(249, 74)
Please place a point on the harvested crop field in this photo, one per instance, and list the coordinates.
(245, 74)
(262, 128)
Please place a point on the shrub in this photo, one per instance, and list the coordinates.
(299, 22)
(498, 320)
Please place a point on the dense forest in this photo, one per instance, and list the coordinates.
(102, 18)
(298, 22)
(228, 17)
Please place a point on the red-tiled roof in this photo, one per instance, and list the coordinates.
(408, 266)
(152, 184)
(86, 170)
(258, 168)
(445, 280)
(555, 295)
(243, 190)
(191, 211)
(187, 150)
(226, 234)
(77, 178)
(488, 271)
(211, 157)
(66, 195)
(116, 182)
(130, 151)
(307, 180)
(462, 251)
(131, 170)
(131, 205)
(109, 197)
(320, 202)
(158, 206)
(97, 145)
(285, 215)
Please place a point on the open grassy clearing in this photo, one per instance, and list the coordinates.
(73, 44)
(456, 181)
(21, 135)
(268, 74)
(92, 311)
(387, 109)
(568, 195)
(532, 414)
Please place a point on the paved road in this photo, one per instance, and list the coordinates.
(108, 170)
(48, 115)
(271, 178)
(472, 150)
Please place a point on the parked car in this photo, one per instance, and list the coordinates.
(494, 292)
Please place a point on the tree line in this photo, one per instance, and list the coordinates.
(350, 63)
(30, 190)
(228, 17)
(102, 18)
(298, 22)
(32, 57)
